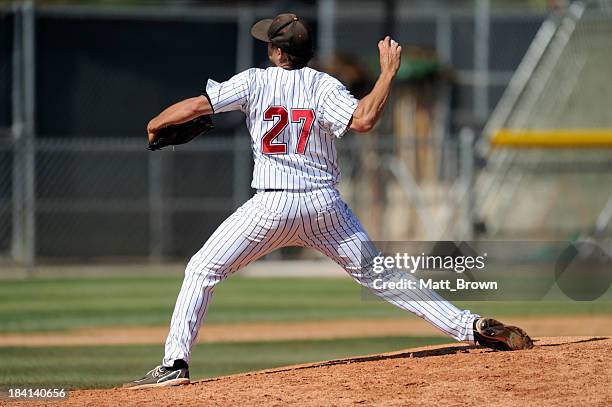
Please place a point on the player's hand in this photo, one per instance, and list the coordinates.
(390, 56)
(152, 130)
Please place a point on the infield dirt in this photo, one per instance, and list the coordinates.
(560, 371)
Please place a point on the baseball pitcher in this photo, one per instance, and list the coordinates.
(294, 115)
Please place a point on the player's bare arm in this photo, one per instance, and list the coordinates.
(178, 113)
(371, 106)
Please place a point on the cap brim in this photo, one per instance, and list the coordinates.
(260, 29)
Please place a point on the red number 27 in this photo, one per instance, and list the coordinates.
(303, 116)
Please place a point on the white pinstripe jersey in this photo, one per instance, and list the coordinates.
(293, 117)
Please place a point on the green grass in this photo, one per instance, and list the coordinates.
(110, 366)
(46, 304)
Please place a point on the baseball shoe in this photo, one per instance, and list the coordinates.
(493, 334)
(162, 376)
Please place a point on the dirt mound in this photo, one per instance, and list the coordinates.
(558, 371)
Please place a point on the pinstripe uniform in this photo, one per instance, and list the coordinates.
(293, 117)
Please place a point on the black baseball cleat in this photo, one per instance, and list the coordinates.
(162, 376)
(493, 334)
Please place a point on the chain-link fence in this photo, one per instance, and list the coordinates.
(114, 199)
(559, 189)
(104, 198)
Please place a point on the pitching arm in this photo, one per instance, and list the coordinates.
(370, 108)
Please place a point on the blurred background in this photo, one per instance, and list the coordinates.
(80, 80)
(498, 128)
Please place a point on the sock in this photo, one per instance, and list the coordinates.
(179, 364)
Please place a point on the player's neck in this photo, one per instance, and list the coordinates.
(284, 65)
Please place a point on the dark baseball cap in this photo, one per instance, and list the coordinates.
(285, 31)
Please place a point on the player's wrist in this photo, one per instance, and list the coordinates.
(387, 75)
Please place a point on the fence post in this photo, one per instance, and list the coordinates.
(244, 46)
(444, 35)
(326, 16)
(24, 113)
(241, 160)
(17, 240)
(157, 213)
(481, 58)
(29, 69)
(466, 150)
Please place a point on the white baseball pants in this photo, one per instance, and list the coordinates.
(270, 220)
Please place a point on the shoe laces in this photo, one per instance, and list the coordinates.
(158, 371)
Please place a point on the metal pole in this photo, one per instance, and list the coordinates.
(244, 60)
(156, 210)
(244, 46)
(17, 241)
(444, 36)
(481, 58)
(29, 104)
(242, 158)
(326, 11)
(23, 100)
(466, 140)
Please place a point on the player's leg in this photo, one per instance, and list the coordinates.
(335, 231)
(260, 226)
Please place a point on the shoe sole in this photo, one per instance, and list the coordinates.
(513, 336)
(167, 383)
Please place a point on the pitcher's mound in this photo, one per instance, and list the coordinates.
(558, 371)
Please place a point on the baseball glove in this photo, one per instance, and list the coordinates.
(176, 134)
